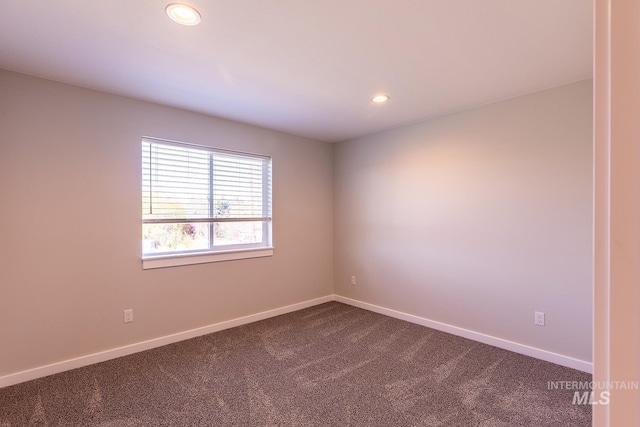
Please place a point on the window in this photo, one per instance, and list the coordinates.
(201, 204)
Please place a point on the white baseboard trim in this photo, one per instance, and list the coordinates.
(548, 356)
(102, 356)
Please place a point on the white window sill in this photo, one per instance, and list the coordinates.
(188, 259)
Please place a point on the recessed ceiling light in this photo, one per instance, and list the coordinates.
(380, 98)
(183, 14)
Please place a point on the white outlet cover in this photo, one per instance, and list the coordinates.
(539, 318)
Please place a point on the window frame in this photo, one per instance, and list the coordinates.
(212, 253)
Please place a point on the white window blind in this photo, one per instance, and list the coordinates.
(199, 199)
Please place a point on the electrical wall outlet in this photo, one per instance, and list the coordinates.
(128, 315)
(539, 318)
(353, 280)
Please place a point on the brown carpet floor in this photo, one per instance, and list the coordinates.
(328, 365)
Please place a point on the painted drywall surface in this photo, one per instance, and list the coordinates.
(617, 212)
(71, 234)
(476, 219)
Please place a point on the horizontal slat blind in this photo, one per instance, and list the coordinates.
(182, 183)
(238, 186)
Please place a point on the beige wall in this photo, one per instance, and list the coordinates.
(71, 234)
(476, 219)
(617, 211)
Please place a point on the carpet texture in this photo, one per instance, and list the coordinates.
(328, 365)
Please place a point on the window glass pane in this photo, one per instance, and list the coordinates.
(175, 182)
(158, 238)
(238, 183)
(186, 189)
(237, 233)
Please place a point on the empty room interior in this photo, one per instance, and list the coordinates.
(424, 219)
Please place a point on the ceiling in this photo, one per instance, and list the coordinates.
(305, 67)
